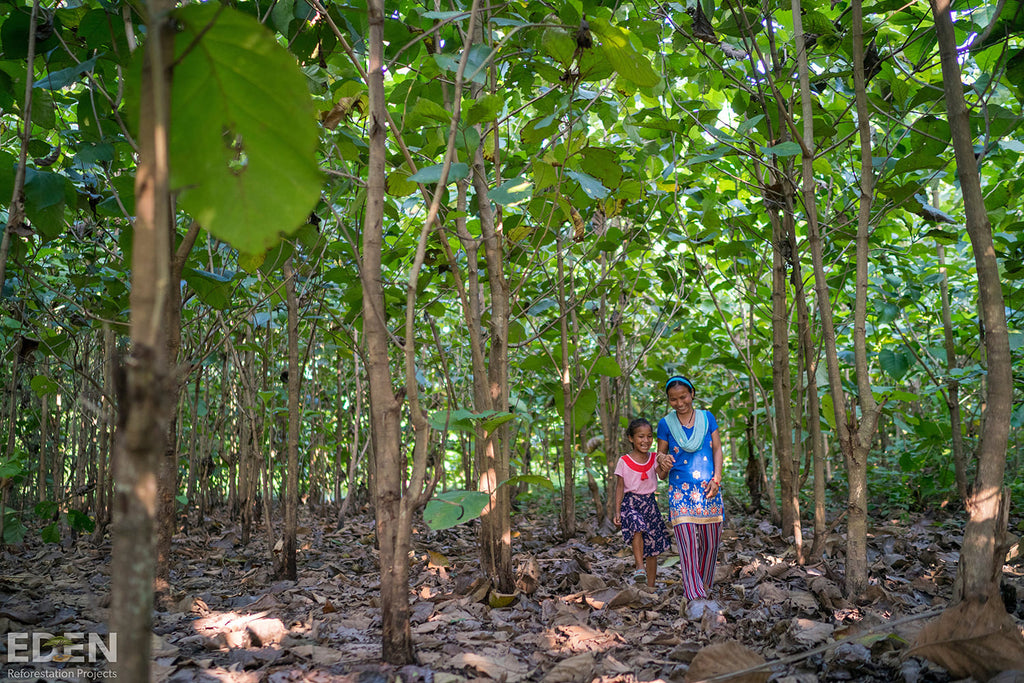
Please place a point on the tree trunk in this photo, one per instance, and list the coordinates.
(291, 499)
(567, 522)
(144, 411)
(952, 384)
(782, 381)
(810, 366)
(389, 463)
(981, 557)
(861, 436)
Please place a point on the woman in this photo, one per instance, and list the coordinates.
(690, 457)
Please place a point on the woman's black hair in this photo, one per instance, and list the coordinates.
(635, 424)
(679, 379)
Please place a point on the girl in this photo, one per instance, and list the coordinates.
(636, 507)
(690, 457)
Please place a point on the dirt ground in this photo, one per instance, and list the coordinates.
(577, 614)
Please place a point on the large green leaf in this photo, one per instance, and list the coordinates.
(65, 77)
(536, 479)
(607, 366)
(243, 133)
(214, 290)
(432, 174)
(44, 201)
(582, 408)
(895, 362)
(512, 192)
(620, 53)
(447, 509)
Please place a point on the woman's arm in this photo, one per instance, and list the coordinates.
(712, 487)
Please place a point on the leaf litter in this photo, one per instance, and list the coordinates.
(575, 616)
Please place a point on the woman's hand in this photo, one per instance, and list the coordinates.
(617, 519)
(711, 488)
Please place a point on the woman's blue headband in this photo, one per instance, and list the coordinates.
(681, 380)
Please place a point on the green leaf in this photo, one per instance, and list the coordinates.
(493, 423)
(608, 367)
(558, 45)
(14, 35)
(454, 507)
(895, 363)
(591, 185)
(535, 479)
(459, 420)
(432, 174)
(243, 133)
(398, 185)
(79, 521)
(828, 410)
(512, 192)
(485, 108)
(583, 409)
(44, 201)
(544, 176)
(603, 163)
(213, 290)
(45, 509)
(65, 77)
(783, 149)
(816, 22)
(44, 386)
(50, 533)
(620, 53)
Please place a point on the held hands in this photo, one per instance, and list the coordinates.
(664, 464)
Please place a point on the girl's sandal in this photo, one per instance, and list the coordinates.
(639, 575)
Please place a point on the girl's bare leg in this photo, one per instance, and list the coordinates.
(638, 550)
(652, 570)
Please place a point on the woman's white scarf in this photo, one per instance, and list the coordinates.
(693, 442)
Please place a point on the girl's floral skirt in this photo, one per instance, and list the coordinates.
(640, 514)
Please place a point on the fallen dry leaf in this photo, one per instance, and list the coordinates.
(972, 639)
(724, 658)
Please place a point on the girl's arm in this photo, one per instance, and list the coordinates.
(664, 462)
(620, 491)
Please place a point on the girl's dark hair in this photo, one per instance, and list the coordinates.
(636, 424)
(679, 379)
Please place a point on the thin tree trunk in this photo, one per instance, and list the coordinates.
(782, 383)
(863, 434)
(16, 209)
(385, 404)
(568, 516)
(291, 498)
(144, 411)
(952, 384)
(981, 561)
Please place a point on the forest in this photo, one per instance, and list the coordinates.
(322, 324)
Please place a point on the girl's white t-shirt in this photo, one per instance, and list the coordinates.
(631, 479)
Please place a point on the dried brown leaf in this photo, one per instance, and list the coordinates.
(724, 658)
(528, 576)
(507, 667)
(591, 583)
(575, 669)
(972, 639)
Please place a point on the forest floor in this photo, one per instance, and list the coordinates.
(578, 615)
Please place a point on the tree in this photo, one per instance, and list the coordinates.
(979, 607)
